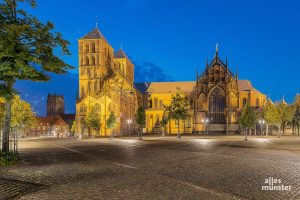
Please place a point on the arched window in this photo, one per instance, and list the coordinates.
(83, 108)
(201, 102)
(87, 60)
(150, 103)
(96, 86)
(155, 103)
(82, 71)
(93, 47)
(82, 91)
(97, 107)
(160, 103)
(93, 60)
(217, 106)
(87, 48)
(257, 102)
(244, 102)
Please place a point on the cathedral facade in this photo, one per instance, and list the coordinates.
(216, 98)
(106, 84)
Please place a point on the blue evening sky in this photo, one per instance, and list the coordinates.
(171, 40)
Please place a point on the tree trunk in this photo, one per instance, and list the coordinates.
(267, 130)
(178, 133)
(246, 138)
(279, 131)
(6, 128)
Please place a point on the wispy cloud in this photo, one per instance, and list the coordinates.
(150, 72)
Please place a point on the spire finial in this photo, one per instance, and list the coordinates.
(96, 21)
(217, 50)
(121, 47)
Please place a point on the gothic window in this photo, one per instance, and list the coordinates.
(201, 101)
(83, 108)
(82, 91)
(155, 103)
(244, 102)
(87, 60)
(257, 102)
(93, 47)
(150, 103)
(97, 108)
(82, 71)
(160, 103)
(188, 123)
(95, 86)
(217, 106)
(93, 60)
(87, 48)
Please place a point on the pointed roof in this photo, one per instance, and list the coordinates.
(121, 54)
(94, 34)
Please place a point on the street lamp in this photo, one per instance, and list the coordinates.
(205, 121)
(129, 122)
(261, 122)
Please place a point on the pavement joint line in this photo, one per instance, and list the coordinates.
(123, 165)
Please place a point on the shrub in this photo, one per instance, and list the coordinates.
(9, 158)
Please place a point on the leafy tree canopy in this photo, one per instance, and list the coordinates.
(111, 121)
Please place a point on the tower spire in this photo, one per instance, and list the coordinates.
(217, 50)
(96, 21)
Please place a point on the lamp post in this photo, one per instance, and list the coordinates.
(261, 122)
(205, 122)
(129, 122)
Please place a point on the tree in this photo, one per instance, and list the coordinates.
(140, 117)
(163, 123)
(27, 49)
(273, 116)
(268, 110)
(73, 128)
(296, 117)
(247, 119)
(178, 109)
(22, 115)
(92, 121)
(111, 122)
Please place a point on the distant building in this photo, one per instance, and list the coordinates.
(55, 105)
(54, 126)
(56, 123)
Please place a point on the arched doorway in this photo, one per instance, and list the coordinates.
(217, 106)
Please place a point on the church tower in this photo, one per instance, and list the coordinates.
(125, 65)
(55, 105)
(95, 58)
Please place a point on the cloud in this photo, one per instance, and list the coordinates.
(149, 72)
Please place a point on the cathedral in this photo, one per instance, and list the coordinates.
(106, 84)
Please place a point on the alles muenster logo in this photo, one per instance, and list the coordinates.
(275, 184)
